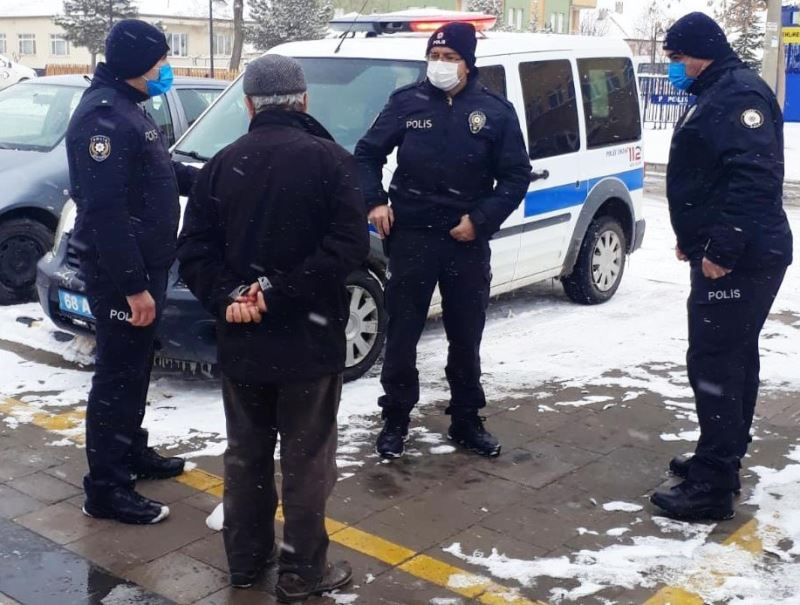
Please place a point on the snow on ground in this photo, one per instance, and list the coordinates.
(635, 341)
(539, 344)
(656, 148)
(686, 561)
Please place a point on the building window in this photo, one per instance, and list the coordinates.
(58, 45)
(3, 50)
(178, 44)
(27, 44)
(223, 44)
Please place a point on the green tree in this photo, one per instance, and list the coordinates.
(87, 22)
(279, 21)
(741, 20)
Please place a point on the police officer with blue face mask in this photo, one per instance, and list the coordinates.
(462, 168)
(724, 187)
(126, 188)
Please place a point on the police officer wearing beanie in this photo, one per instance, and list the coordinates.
(462, 168)
(724, 187)
(126, 188)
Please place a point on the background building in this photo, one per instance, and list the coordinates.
(29, 35)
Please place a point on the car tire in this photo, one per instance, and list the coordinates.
(600, 265)
(23, 242)
(366, 327)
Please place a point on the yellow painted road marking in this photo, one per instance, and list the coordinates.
(422, 566)
(746, 538)
(71, 419)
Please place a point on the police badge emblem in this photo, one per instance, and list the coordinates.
(477, 120)
(752, 118)
(100, 148)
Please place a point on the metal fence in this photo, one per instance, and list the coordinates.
(662, 103)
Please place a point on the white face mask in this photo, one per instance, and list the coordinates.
(443, 75)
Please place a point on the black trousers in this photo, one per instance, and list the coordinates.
(124, 357)
(725, 319)
(418, 261)
(303, 414)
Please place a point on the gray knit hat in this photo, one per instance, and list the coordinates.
(273, 75)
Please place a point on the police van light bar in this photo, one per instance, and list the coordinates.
(410, 21)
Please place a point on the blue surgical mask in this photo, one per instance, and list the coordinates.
(677, 76)
(164, 82)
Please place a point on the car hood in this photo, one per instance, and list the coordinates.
(32, 176)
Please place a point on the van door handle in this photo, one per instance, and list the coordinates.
(535, 176)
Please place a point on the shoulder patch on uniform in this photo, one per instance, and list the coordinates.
(99, 147)
(752, 118)
(477, 120)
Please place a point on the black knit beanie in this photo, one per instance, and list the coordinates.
(697, 35)
(458, 36)
(133, 47)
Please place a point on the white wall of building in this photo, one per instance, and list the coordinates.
(38, 41)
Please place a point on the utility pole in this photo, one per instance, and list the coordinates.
(211, 36)
(772, 46)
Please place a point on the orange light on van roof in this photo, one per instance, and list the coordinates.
(431, 24)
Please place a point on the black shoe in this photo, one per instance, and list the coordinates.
(469, 433)
(679, 466)
(125, 505)
(152, 465)
(391, 442)
(245, 579)
(292, 587)
(695, 502)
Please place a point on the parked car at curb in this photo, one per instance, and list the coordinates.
(12, 72)
(577, 100)
(34, 174)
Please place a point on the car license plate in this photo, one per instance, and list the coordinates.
(74, 304)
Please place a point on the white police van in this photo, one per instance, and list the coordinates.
(578, 104)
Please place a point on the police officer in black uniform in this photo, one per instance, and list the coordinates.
(724, 187)
(462, 168)
(126, 188)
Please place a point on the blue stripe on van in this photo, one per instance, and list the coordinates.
(566, 196)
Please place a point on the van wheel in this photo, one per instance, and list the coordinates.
(22, 243)
(366, 327)
(600, 265)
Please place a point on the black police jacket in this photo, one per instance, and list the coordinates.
(125, 187)
(283, 202)
(725, 172)
(454, 157)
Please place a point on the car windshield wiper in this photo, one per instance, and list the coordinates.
(192, 154)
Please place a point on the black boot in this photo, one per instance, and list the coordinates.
(695, 502)
(245, 578)
(679, 466)
(152, 465)
(292, 587)
(125, 505)
(468, 432)
(391, 442)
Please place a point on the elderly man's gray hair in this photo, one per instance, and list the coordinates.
(293, 102)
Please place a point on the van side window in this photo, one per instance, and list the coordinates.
(610, 101)
(493, 77)
(551, 109)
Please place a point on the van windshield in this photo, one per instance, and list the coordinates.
(35, 116)
(345, 95)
